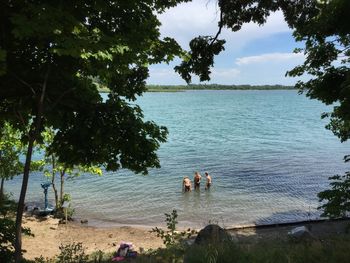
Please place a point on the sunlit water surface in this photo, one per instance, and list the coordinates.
(267, 151)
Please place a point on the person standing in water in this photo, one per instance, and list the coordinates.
(186, 184)
(197, 180)
(208, 184)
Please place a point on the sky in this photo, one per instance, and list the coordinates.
(255, 55)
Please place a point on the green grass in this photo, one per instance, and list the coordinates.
(333, 250)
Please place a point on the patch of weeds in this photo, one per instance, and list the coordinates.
(72, 253)
(172, 239)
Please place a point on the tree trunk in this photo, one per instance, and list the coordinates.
(53, 181)
(55, 192)
(2, 186)
(20, 208)
(62, 185)
(2, 189)
(33, 134)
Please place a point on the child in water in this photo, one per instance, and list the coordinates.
(197, 180)
(186, 184)
(208, 184)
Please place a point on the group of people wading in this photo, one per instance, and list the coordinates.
(187, 184)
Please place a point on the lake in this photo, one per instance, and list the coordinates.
(267, 152)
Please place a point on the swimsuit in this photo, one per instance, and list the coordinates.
(187, 188)
(196, 182)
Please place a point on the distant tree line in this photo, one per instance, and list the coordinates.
(217, 87)
(174, 88)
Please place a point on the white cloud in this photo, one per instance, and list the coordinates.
(167, 76)
(164, 76)
(199, 17)
(224, 73)
(268, 68)
(269, 57)
(189, 20)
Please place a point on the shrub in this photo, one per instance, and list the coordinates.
(338, 197)
(172, 239)
(171, 236)
(8, 229)
(72, 253)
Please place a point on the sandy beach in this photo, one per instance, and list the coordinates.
(49, 235)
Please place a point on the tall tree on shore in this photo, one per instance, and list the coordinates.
(49, 53)
(53, 168)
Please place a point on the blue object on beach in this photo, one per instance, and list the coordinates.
(45, 186)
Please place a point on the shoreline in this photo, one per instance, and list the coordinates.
(49, 235)
(105, 225)
(102, 223)
(288, 224)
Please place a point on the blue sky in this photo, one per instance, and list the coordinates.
(254, 55)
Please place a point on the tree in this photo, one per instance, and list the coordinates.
(49, 53)
(54, 167)
(10, 151)
(11, 148)
(338, 197)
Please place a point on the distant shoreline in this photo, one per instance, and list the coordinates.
(182, 88)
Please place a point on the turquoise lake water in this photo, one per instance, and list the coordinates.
(267, 151)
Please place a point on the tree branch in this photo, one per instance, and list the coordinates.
(221, 25)
(24, 82)
(19, 114)
(20, 117)
(61, 97)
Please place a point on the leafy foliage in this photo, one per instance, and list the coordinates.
(54, 167)
(7, 229)
(338, 197)
(113, 41)
(172, 239)
(171, 236)
(72, 253)
(60, 212)
(201, 58)
(41, 259)
(50, 53)
(11, 148)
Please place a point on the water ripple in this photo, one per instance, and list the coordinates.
(267, 151)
